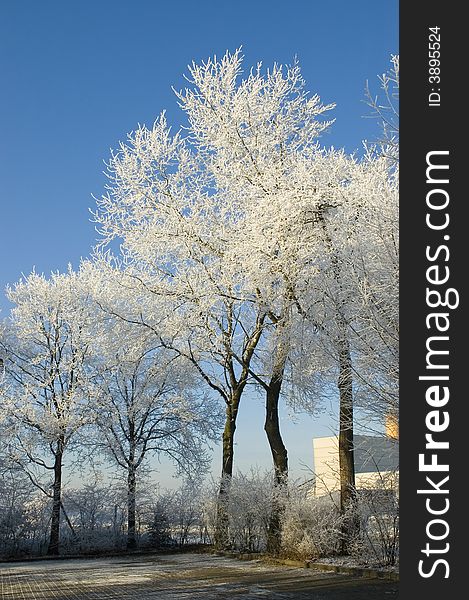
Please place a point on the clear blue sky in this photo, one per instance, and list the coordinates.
(78, 75)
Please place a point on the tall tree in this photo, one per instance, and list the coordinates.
(186, 208)
(259, 135)
(353, 299)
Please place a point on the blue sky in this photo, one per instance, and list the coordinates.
(78, 75)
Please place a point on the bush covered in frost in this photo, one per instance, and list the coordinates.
(311, 526)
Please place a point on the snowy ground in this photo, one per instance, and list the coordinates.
(177, 577)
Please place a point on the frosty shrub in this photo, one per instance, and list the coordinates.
(208, 516)
(186, 513)
(311, 526)
(24, 516)
(159, 528)
(249, 510)
(378, 510)
(177, 517)
(94, 519)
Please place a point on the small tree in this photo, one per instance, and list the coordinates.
(90, 513)
(159, 525)
(45, 345)
(144, 403)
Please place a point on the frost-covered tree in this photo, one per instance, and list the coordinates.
(292, 259)
(259, 136)
(45, 344)
(379, 275)
(385, 108)
(196, 320)
(144, 403)
(351, 307)
(187, 209)
(373, 265)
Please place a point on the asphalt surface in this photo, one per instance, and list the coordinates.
(178, 577)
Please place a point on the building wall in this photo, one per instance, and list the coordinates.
(375, 457)
(326, 464)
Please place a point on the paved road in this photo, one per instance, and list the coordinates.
(180, 577)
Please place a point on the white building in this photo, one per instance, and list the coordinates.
(375, 459)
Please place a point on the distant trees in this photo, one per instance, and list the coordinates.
(24, 513)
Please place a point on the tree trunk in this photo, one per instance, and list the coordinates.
(53, 548)
(346, 450)
(222, 525)
(279, 456)
(345, 385)
(131, 503)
